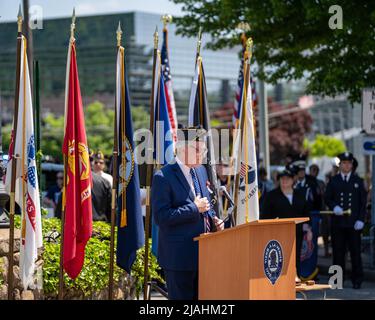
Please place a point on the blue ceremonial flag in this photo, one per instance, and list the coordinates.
(130, 233)
(309, 250)
(163, 136)
(163, 144)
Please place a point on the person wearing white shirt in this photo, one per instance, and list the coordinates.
(99, 166)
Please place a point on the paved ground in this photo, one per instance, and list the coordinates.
(367, 291)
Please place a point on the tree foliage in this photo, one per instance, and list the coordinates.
(325, 146)
(293, 40)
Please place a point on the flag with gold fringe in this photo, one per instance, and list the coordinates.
(26, 177)
(130, 232)
(246, 182)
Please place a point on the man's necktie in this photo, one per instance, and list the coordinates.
(346, 178)
(198, 191)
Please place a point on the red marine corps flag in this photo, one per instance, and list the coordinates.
(77, 208)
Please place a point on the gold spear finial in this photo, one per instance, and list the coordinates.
(119, 34)
(166, 18)
(156, 38)
(249, 47)
(199, 44)
(73, 24)
(19, 19)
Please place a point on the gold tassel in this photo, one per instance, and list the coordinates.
(123, 222)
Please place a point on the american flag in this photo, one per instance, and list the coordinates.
(168, 85)
(237, 101)
(244, 169)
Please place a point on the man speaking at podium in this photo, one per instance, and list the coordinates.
(182, 210)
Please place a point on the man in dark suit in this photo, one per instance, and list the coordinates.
(346, 191)
(182, 210)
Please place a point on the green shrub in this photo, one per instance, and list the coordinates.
(95, 272)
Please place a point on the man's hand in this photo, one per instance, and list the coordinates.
(338, 211)
(219, 223)
(202, 204)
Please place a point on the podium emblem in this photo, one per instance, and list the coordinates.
(273, 260)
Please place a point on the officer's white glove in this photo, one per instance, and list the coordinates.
(338, 211)
(359, 225)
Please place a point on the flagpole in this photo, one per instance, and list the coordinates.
(150, 168)
(115, 182)
(247, 57)
(37, 113)
(14, 163)
(199, 44)
(61, 273)
(245, 27)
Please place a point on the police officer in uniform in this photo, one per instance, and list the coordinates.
(346, 191)
(307, 184)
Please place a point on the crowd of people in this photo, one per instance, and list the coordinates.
(296, 191)
(342, 198)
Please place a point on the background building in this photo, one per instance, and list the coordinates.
(96, 54)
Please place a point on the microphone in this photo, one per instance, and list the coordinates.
(223, 189)
(208, 184)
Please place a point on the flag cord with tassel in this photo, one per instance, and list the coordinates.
(115, 177)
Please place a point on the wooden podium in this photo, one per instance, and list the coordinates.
(241, 263)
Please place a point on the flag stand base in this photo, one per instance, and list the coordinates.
(153, 285)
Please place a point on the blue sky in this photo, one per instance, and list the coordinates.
(64, 8)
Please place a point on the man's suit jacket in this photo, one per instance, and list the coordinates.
(178, 217)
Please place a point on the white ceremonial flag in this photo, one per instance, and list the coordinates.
(246, 161)
(27, 189)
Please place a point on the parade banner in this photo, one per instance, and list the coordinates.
(130, 232)
(309, 250)
(246, 181)
(26, 177)
(169, 97)
(163, 141)
(77, 186)
(199, 116)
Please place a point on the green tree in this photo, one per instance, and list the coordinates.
(292, 39)
(324, 146)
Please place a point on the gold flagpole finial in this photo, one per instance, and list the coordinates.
(156, 38)
(119, 34)
(249, 47)
(19, 19)
(73, 24)
(199, 44)
(166, 18)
